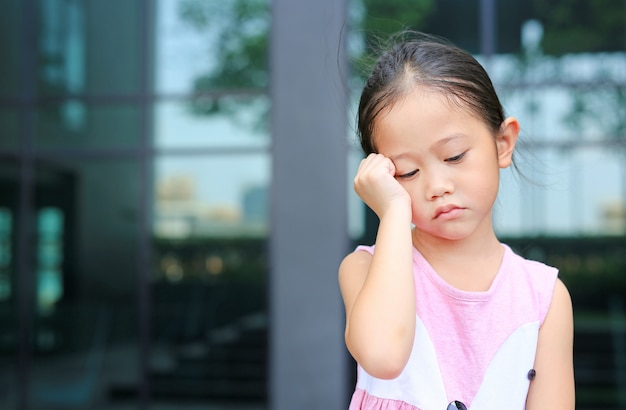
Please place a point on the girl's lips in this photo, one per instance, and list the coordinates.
(448, 212)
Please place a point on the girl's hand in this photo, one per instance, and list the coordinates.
(376, 185)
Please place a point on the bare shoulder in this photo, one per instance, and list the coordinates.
(553, 386)
(560, 311)
(355, 261)
(558, 326)
(352, 274)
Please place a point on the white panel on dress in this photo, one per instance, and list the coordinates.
(506, 383)
(420, 383)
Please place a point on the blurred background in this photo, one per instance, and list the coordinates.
(153, 252)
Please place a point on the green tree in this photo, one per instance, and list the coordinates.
(242, 30)
(581, 26)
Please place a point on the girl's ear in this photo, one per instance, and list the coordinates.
(505, 141)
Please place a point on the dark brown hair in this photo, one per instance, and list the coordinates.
(436, 65)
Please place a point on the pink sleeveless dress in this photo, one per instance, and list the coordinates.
(472, 350)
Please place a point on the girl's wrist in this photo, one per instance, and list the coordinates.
(399, 208)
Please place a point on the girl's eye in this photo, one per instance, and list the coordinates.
(408, 174)
(456, 158)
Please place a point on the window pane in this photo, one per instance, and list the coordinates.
(88, 47)
(76, 125)
(85, 340)
(49, 257)
(240, 122)
(212, 196)
(211, 227)
(204, 46)
(10, 39)
(183, 53)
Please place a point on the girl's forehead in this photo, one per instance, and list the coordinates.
(419, 103)
(429, 96)
(423, 118)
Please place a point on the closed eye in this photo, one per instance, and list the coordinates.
(408, 174)
(456, 158)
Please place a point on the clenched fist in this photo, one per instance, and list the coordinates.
(378, 188)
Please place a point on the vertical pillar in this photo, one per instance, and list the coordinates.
(487, 29)
(308, 234)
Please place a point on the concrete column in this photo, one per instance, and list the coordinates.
(308, 238)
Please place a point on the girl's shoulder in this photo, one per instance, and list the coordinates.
(365, 248)
(531, 280)
(514, 260)
(357, 260)
(352, 274)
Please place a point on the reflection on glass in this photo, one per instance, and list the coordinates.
(85, 329)
(203, 46)
(61, 47)
(235, 122)
(49, 258)
(79, 50)
(209, 286)
(6, 253)
(72, 124)
(211, 196)
(177, 46)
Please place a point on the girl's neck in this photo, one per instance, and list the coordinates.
(466, 264)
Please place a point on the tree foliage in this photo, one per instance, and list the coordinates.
(578, 26)
(241, 30)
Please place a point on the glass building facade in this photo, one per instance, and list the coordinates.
(175, 190)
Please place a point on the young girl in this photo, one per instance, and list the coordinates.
(440, 314)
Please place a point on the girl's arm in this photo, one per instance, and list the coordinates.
(553, 386)
(378, 290)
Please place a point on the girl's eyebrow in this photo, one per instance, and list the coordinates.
(438, 144)
(448, 139)
(394, 158)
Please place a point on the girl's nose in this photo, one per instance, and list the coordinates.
(438, 184)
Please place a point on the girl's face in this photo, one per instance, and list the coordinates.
(448, 160)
